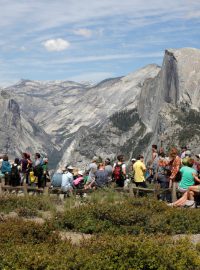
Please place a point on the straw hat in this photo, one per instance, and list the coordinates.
(80, 173)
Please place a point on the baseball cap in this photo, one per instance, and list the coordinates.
(188, 153)
(70, 167)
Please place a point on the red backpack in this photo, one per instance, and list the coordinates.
(118, 173)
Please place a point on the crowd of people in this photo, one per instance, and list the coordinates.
(180, 167)
(25, 170)
(163, 168)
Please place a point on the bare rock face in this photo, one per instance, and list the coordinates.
(18, 132)
(73, 122)
(180, 77)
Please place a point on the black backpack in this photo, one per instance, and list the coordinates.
(14, 175)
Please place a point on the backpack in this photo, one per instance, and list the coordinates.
(117, 173)
(14, 176)
(38, 170)
(14, 172)
(33, 178)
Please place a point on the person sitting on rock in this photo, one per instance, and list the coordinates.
(187, 178)
(67, 180)
(79, 181)
(188, 197)
(101, 177)
(108, 168)
(92, 168)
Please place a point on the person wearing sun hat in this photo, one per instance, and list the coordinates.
(67, 180)
(188, 153)
(79, 180)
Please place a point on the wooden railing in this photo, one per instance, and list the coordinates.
(132, 190)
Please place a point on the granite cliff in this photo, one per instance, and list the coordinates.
(72, 121)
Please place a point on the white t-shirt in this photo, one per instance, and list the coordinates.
(67, 180)
(123, 165)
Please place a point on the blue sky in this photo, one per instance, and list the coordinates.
(86, 40)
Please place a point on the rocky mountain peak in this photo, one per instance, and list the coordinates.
(180, 73)
(75, 121)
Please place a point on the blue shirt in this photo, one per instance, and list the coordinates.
(67, 181)
(5, 167)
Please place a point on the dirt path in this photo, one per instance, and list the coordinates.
(194, 238)
(76, 238)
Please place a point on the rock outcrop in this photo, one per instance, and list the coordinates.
(19, 132)
(76, 121)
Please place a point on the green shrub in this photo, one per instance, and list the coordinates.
(28, 245)
(106, 252)
(131, 216)
(18, 231)
(10, 203)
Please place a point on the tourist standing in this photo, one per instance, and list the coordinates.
(139, 172)
(119, 171)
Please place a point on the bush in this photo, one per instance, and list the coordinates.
(134, 216)
(26, 212)
(14, 203)
(121, 252)
(17, 231)
(129, 234)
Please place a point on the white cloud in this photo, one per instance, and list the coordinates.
(84, 32)
(39, 14)
(58, 44)
(22, 48)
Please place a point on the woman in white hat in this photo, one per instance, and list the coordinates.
(79, 181)
(67, 180)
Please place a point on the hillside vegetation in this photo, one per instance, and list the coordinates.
(125, 233)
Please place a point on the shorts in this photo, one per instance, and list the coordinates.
(141, 184)
(66, 188)
(182, 190)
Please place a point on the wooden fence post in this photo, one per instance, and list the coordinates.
(131, 193)
(46, 191)
(3, 181)
(157, 191)
(25, 189)
(174, 197)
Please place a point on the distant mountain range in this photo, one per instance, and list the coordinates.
(71, 122)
